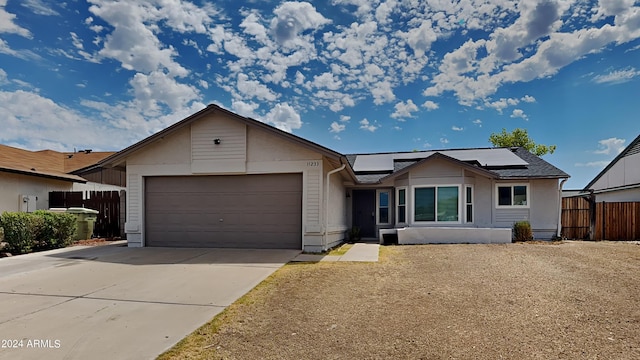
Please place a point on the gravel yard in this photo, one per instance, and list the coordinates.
(570, 300)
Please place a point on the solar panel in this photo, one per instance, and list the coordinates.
(486, 157)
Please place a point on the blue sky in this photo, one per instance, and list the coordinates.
(352, 75)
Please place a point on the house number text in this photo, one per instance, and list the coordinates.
(313, 163)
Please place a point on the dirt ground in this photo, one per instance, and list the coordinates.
(573, 300)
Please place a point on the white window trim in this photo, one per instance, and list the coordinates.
(473, 207)
(436, 186)
(406, 205)
(389, 202)
(497, 196)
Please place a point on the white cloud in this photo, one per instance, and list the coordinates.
(382, 93)
(327, 81)
(404, 110)
(536, 45)
(528, 99)
(610, 146)
(420, 38)
(253, 88)
(7, 24)
(293, 18)
(39, 7)
(477, 122)
(247, 109)
(366, 125)
(617, 77)
(444, 141)
(159, 87)
(133, 41)
(337, 127)
(430, 105)
(3, 77)
(519, 113)
(345, 118)
(284, 117)
(23, 112)
(456, 128)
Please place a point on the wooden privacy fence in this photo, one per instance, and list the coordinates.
(582, 219)
(108, 203)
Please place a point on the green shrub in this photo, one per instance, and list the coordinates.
(522, 231)
(54, 230)
(40, 230)
(19, 232)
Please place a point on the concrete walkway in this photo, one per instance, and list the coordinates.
(367, 252)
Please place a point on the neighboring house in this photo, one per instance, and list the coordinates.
(218, 179)
(27, 177)
(620, 180)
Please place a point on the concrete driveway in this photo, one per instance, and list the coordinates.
(114, 302)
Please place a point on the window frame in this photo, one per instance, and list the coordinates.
(512, 186)
(388, 207)
(405, 205)
(468, 203)
(435, 221)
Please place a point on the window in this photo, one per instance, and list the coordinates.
(468, 204)
(383, 206)
(401, 210)
(438, 203)
(513, 195)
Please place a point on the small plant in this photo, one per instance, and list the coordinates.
(522, 231)
(354, 234)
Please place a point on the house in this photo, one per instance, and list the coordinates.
(27, 177)
(620, 180)
(218, 179)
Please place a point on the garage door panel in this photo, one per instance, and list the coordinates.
(244, 211)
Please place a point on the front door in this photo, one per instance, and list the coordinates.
(364, 212)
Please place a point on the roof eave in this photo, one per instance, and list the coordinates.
(69, 178)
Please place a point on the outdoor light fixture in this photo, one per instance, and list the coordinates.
(217, 141)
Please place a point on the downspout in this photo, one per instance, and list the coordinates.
(560, 207)
(326, 204)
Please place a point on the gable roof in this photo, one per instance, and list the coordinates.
(119, 157)
(632, 149)
(498, 163)
(48, 163)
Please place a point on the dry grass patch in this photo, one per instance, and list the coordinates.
(575, 300)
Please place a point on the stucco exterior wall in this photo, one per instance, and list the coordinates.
(625, 171)
(14, 186)
(619, 195)
(242, 150)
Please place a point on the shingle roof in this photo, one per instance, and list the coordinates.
(535, 166)
(47, 163)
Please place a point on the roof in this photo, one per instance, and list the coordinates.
(117, 158)
(48, 163)
(499, 163)
(632, 149)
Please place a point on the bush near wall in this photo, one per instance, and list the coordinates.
(37, 231)
(522, 231)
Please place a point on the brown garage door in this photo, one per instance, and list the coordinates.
(243, 211)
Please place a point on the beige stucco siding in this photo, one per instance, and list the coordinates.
(14, 186)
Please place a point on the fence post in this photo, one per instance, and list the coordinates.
(604, 220)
